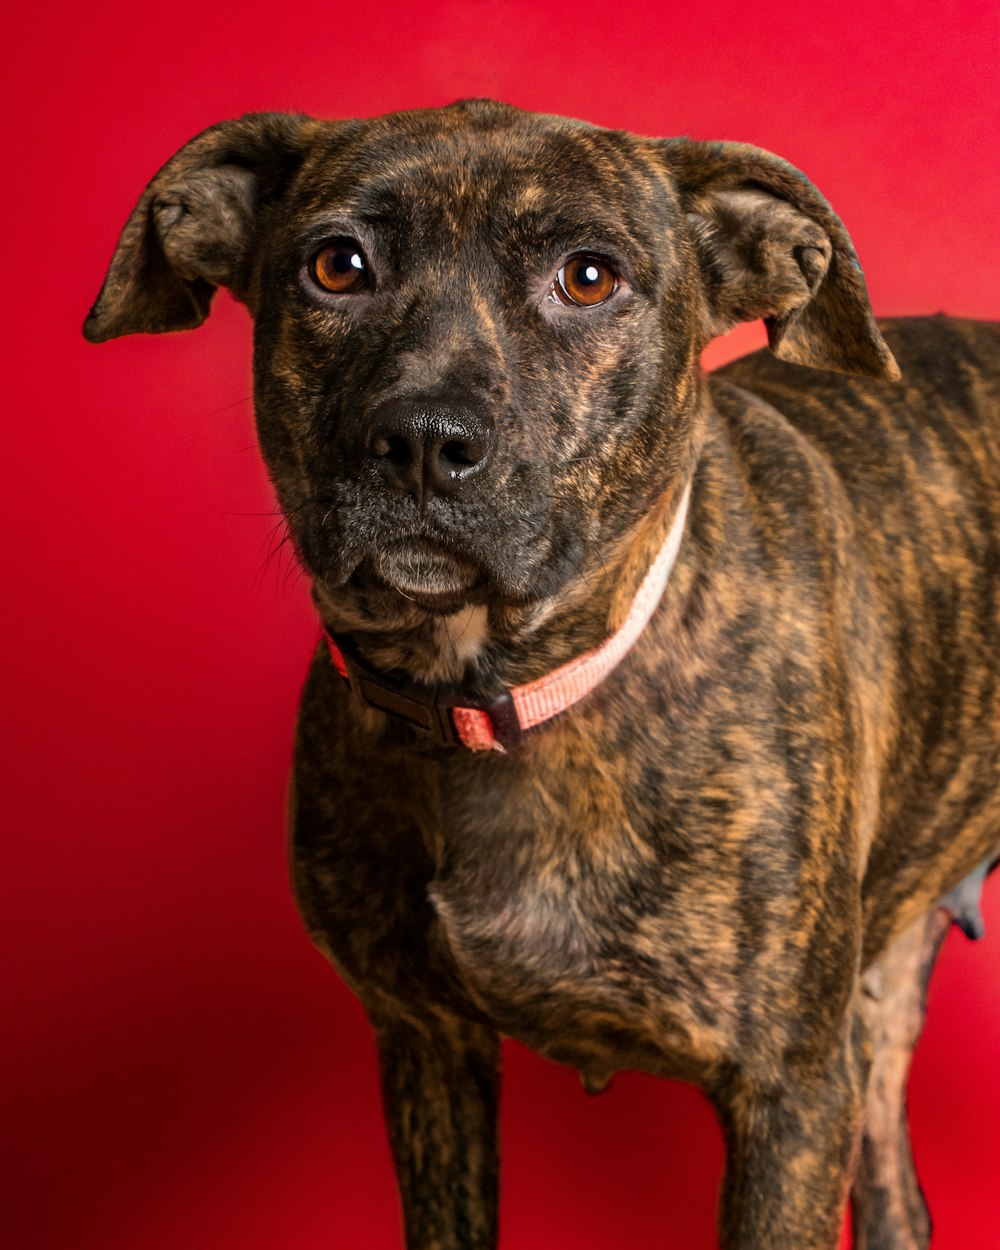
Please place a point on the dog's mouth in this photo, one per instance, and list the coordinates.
(421, 569)
(388, 565)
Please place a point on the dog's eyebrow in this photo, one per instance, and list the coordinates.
(559, 232)
(557, 225)
(339, 220)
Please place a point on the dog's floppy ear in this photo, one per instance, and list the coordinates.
(770, 246)
(193, 229)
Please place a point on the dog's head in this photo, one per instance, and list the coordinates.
(477, 329)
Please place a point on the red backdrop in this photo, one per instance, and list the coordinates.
(183, 1070)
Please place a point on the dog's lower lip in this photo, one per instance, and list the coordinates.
(420, 566)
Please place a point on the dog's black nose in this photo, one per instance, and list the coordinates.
(428, 446)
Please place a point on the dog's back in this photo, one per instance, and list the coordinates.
(918, 521)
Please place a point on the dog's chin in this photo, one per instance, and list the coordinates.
(426, 574)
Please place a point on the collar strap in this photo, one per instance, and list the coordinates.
(449, 718)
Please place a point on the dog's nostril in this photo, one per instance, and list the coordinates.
(400, 450)
(459, 453)
(394, 448)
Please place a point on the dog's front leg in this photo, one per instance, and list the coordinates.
(440, 1085)
(790, 1153)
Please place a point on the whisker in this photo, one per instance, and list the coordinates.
(226, 407)
(227, 512)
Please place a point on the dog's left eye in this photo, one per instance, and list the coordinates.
(584, 281)
(340, 267)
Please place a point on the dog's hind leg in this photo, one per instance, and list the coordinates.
(440, 1086)
(888, 1207)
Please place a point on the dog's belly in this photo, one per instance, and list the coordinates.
(556, 976)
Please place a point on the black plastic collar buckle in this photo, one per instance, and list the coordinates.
(426, 709)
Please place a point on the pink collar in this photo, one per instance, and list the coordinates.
(449, 718)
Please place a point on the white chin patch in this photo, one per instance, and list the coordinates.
(465, 631)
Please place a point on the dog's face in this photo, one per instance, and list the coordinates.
(477, 329)
(474, 344)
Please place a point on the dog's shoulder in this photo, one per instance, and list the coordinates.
(949, 389)
(937, 354)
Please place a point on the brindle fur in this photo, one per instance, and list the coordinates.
(724, 864)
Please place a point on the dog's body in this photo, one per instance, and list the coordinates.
(724, 863)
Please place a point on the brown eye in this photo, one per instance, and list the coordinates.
(585, 280)
(340, 268)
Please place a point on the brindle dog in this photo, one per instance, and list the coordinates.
(478, 393)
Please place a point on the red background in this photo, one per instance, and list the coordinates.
(183, 1070)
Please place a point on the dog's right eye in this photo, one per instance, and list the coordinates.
(340, 268)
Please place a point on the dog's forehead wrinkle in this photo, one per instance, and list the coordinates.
(429, 169)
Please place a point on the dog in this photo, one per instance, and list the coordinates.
(657, 721)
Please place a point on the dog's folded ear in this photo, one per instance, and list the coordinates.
(770, 246)
(193, 229)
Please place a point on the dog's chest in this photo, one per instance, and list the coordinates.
(581, 940)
